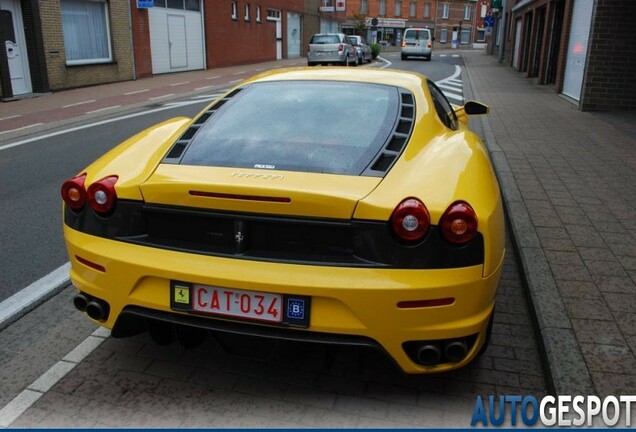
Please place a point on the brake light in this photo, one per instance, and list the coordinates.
(403, 43)
(410, 220)
(430, 44)
(459, 223)
(102, 195)
(73, 192)
(341, 47)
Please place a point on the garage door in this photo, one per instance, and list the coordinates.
(577, 48)
(176, 36)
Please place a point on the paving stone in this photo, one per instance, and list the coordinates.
(619, 302)
(579, 289)
(609, 358)
(604, 332)
(323, 418)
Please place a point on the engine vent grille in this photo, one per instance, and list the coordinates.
(179, 147)
(394, 146)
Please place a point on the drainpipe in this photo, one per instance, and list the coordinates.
(503, 32)
(132, 40)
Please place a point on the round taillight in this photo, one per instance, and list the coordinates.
(459, 223)
(73, 192)
(410, 220)
(102, 196)
(341, 47)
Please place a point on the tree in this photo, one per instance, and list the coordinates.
(359, 24)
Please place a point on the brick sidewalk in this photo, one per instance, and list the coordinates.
(569, 181)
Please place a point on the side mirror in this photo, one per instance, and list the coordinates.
(475, 108)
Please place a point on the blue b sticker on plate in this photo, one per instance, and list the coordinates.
(296, 308)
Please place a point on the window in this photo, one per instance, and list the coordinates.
(246, 17)
(413, 9)
(398, 7)
(291, 134)
(86, 32)
(444, 109)
(191, 5)
(427, 10)
(258, 14)
(481, 35)
(467, 11)
(234, 12)
(364, 7)
(445, 10)
(465, 36)
(273, 15)
(382, 8)
(443, 35)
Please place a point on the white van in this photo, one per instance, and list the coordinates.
(417, 42)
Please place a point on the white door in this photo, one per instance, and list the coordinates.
(577, 48)
(293, 35)
(279, 40)
(177, 41)
(516, 52)
(15, 46)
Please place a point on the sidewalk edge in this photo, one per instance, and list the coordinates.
(564, 365)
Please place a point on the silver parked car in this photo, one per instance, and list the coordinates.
(363, 49)
(331, 48)
(417, 42)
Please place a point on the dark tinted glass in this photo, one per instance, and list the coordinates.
(325, 39)
(192, 5)
(416, 34)
(443, 107)
(327, 127)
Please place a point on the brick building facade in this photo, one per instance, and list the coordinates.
(581, 47)
(52, 45)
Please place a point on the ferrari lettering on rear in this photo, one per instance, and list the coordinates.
(258, 176)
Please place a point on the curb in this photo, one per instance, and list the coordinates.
(564, 366)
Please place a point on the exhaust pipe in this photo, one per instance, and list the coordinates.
(80, 301)
(97, 309)
(429, 354)
(456, 350)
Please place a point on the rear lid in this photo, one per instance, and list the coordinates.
(257, 191)
(287, 147)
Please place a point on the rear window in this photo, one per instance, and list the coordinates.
(309, 126)
(325, 39)
(416, 34)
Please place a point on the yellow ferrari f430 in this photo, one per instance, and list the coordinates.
(314, 205)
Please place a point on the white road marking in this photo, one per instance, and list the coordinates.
(10, 117)
(204, 88)
(453, 87)
(208, 96)
(78, 103)
(22, 402)
(162, 96)
(102, 109)
(213, 77)
(179, 83)
(457, 97)
(33, 295)
(137, 91)
(235, 81)
(86, 126)
(239, 73)
(21, 128)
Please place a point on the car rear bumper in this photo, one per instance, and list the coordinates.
(347, 303)
(415, 51)
(315, 57)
